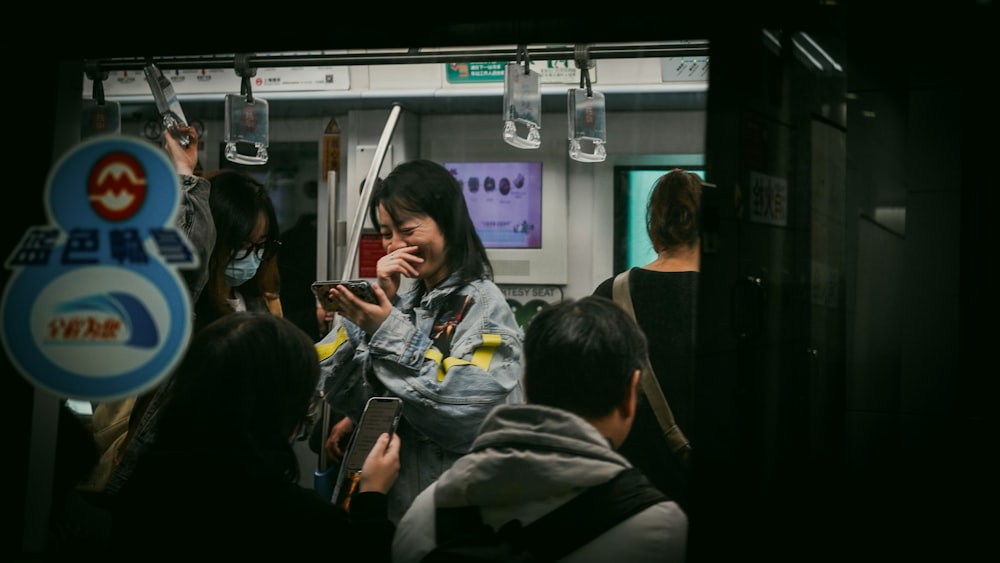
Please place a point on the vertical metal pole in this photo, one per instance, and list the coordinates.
(326, 224)
(366, 192)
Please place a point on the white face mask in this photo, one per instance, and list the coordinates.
(239, 271)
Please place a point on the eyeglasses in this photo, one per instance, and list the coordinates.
(262, 250)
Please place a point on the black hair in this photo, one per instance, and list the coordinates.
(580, 356)
(427, 188)
(246, 380)
(236, 201)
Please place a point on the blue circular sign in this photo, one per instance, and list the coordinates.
(95, 309)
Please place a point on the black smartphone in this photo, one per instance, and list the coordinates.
(361, 288)
(381, 414)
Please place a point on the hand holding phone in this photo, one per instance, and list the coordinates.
(360, 288)
(381, 415)
(381, 467)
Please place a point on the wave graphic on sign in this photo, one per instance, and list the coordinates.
(131, 311)
(115, 202)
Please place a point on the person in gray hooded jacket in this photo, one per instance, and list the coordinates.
(582, 362)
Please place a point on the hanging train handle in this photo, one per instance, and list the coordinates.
(98, 77)
(245, 72)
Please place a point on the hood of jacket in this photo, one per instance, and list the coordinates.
(529, 454)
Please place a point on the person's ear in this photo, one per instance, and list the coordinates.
(631, 396)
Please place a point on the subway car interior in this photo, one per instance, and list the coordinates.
(842, 403)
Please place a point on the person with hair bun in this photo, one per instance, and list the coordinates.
(665, 298)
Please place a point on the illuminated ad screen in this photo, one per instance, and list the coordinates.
(504, 201)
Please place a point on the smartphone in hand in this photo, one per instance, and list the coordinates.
(360, 288)
(381, 414)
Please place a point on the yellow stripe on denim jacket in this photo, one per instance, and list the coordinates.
(480, 358)
(324, 351)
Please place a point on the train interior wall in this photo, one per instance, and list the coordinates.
(294, 165)
(585, 187)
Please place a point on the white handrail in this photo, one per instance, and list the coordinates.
(366, 191)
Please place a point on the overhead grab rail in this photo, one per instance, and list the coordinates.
(686, 48)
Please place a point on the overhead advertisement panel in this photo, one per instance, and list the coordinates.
(550, 72)
(203, 81)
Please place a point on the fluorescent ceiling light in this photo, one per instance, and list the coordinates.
(806, 54)
(826, 56)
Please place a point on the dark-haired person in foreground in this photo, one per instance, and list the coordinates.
(220, 479)
(582, 364)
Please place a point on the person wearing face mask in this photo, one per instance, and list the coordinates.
(448, 345)
(243, 265)
(232, 226)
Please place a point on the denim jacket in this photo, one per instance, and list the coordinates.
(451, 354)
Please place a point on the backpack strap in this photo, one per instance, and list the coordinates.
(676, 439)
(562, 530)
(590, 514)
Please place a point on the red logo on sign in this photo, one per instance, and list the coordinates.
(117, 186)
